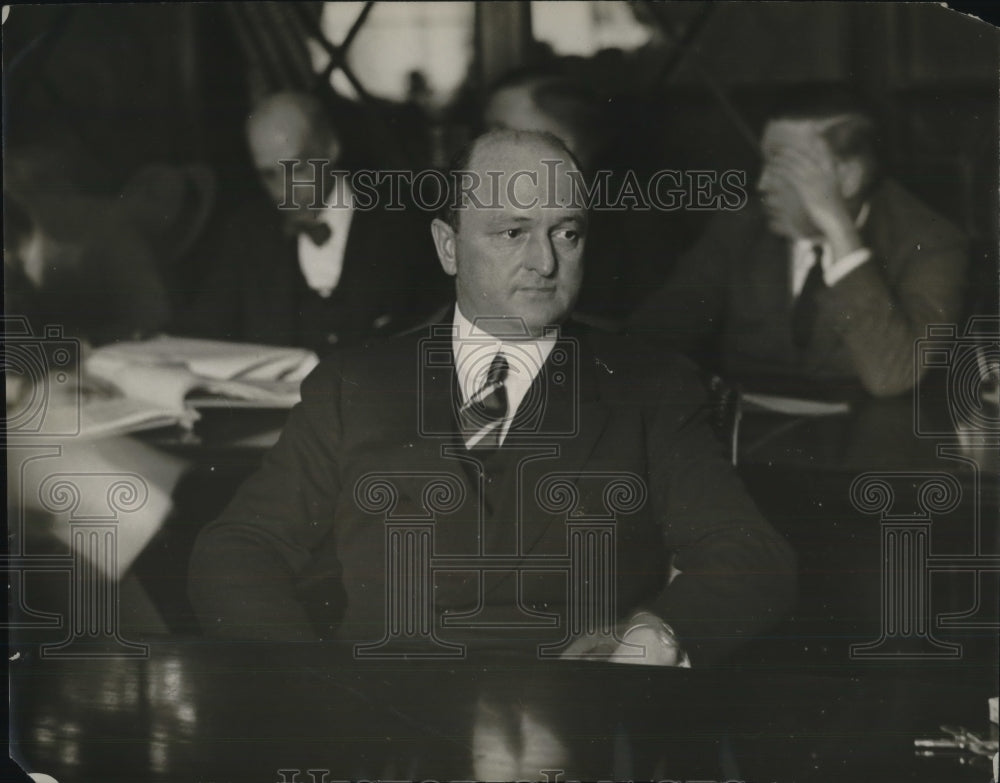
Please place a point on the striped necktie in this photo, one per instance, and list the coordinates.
(482, 417)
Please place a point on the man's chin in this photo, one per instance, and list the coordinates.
(777, 225)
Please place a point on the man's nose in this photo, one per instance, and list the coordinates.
(763, 181)
(541, 257)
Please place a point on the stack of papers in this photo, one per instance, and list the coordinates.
(130, 386)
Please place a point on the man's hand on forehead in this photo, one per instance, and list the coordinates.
(808, 161)
(806, 136)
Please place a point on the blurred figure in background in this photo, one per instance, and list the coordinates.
(322, 272)
(73, 258)
(823, 285)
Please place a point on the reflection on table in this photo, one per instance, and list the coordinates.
(248, 712)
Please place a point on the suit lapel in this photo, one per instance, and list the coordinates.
(439, 444)
(561, 436)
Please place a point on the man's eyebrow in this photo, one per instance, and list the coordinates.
(500, 217)
(580, 216)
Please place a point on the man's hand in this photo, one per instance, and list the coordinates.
(810, 168)
(643, 640)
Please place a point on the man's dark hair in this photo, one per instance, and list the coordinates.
(856, 137)
(460, 161)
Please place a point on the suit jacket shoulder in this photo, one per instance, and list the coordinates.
(899, 217)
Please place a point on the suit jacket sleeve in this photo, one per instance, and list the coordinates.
(880, 324)
(737, 574)
(247, 567)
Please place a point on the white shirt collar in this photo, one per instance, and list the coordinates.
(803, 256)
(474, 349)
(322, 266)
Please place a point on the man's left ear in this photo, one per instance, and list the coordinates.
(334, 150)
(444, 243)
(851, 177)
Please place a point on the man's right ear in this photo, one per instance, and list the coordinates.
(444, 241)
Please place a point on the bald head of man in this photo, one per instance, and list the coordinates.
(291, 126)
(515, 243)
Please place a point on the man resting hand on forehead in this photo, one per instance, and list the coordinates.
(825, 282)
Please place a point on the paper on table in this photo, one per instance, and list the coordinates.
(792, 406)
(164, 381)
(216, 359)
(166, 370)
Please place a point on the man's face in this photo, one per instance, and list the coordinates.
(519, 257)
(785, 212)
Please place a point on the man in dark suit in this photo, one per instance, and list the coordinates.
(825, 283)
(502, 434)
(316, 265)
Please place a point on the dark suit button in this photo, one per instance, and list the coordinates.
(332, 338)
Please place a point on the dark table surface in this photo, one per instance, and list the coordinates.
(200, 711)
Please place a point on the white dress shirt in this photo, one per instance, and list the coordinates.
(474, 350)
(323, 265)
(834, 269)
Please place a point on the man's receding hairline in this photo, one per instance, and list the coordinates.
(496, 138)
(309, 107)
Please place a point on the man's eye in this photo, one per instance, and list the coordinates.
(568, 234)
(511, 233)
